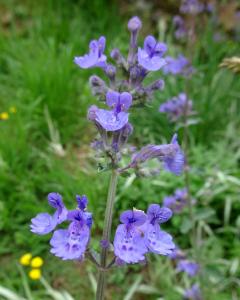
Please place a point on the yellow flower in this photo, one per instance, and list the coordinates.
(35, 274)
(36, 262)
(4, 116)
(25, 259)
(12, 109)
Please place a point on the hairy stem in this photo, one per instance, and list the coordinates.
(106, 235)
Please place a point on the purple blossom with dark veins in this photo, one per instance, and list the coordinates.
(189, 267)
(157, 240)
(71, 243)
(192, 7)
(157, 214)
(151, 56)
(82, 202)
(115, 119)
(68, 243)
(193, 293)
(108, 120)
(84, 217)
(177, 107)
(44, 223)
(180, 65)
(118, 101)
(129, 242)
(95, 57)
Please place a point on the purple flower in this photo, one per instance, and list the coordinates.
(129, 242)
(68, 243)
(177, 107)
(55, 200)
(82, 202)
(71, 243)
(170, 154)
(44, 223)
(157, 214)
(141, 233)
(111, 121)
(178, 201)
(175, 66)
(179, 24)
(150, 57)
(118, 101)
(193, 293)
(108, 120)
(95, 57)
(174, 162)
(189, 267)
(191, 7)
(158, 241)
(134, 24)
(84, 217)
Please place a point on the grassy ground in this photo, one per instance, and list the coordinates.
(37, 44)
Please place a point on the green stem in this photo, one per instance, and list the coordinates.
(25, 283)
(106, 234)
(186, 173)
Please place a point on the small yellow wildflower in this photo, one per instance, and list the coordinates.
(25, 259)
(12, 109)
(35, 274)
(36, 262)
(4, 116)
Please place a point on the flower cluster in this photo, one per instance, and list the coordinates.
(34, 262)
(121, 90)
(70, 243)
(140, 233)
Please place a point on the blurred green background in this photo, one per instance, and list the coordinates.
(38, 40)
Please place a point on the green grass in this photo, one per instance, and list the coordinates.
(38, 76)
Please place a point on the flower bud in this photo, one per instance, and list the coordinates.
(98, 86)
(92, 113)
(110, 71)
(157, 85)
(96, 81)
(134, 24)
